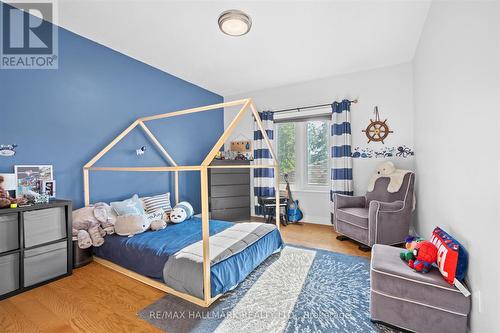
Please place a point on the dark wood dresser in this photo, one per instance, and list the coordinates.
(35, 246)
(229, 191)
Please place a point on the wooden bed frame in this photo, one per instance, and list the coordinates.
(202, 168)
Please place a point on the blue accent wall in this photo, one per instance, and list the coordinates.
(64, 117)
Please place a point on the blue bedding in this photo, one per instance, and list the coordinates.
(148, 252)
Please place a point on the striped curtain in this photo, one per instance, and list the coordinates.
(341, 163)
(263, 178)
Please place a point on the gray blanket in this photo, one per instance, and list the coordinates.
(184, 270)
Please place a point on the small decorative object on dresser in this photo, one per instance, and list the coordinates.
(35, 247)
(29, 177)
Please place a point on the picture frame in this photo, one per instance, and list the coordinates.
(30, 177)
(49, 188)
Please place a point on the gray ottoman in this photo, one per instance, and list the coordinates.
(413, 301)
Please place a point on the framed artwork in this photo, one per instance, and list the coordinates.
(49, 188)
(31, 177)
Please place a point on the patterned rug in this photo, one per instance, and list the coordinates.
(297, 290)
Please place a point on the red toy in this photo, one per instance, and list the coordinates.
(425, 255)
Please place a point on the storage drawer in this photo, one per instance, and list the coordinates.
(43, 226)
(229, 190)
(230, 179)
(230, 202)
(9, 273)
(45, 262)
(9, 236)
(230, 214)
(229, 170)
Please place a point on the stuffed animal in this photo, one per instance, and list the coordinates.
(387, 169)
(84, 220)
(410, 243)
(106, 215)
(6, 200)
(425, 255)
(181, 212)
(131, 224)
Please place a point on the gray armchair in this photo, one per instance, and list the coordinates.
(379, 217)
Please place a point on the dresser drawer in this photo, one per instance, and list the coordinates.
(229, 179)
(45, 262)
(230, 202)
(229, 190)
(9, 235)
(9, 273)
(230, 214)
(43, 226)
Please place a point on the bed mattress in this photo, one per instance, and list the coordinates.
(147, 253)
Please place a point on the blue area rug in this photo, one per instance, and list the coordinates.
(297, 290)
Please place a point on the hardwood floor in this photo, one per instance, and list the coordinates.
(95, 299)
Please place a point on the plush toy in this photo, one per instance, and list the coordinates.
(84, 220)
(131, 224)
(425, 255)
(181, 212)
(106, 215)
(410, 243)
(387, 169)
(6, 200)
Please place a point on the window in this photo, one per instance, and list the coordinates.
(302, 148)
(286, 151)
(317, 152)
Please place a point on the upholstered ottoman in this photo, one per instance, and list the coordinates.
(413, 301)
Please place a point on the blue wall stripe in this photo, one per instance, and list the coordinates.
(343, 173)
(263, 172)
(261, 153)
(343, 128)
(263, 191)
(341, 151)
(257, 135)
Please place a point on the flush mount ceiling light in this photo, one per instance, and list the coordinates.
(234, 22)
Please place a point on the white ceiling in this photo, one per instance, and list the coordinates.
(290, 41)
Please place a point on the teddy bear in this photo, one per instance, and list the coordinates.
(6, 200)
(387, 169)
(181, 212)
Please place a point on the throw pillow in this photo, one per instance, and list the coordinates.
(153, 203)
(452, 257)
(132, 206)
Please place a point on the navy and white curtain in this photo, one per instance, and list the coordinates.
(263, 178)
(340, 142)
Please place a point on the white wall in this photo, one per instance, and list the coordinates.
(457, 108)
(391, 88)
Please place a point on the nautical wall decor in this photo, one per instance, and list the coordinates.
(377, 130)
(399, 151)
(7, 150)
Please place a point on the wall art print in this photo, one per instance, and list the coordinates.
(384, 152)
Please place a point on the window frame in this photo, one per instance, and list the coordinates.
(301, 163)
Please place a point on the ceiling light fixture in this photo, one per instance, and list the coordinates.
(234, 22)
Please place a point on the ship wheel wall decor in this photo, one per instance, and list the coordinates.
(377, 130)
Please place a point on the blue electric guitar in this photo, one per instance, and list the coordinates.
(292, 210)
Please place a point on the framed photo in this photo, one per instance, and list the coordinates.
(31, 177)
(49, 188)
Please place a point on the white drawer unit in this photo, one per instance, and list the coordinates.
(35, 246)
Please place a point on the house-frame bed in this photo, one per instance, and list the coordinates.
(246, 105)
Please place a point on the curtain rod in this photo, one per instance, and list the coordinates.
(300, 108)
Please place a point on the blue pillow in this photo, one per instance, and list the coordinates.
(132, 206)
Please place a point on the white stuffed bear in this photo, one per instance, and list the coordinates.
(387, 169)
(181, 212)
